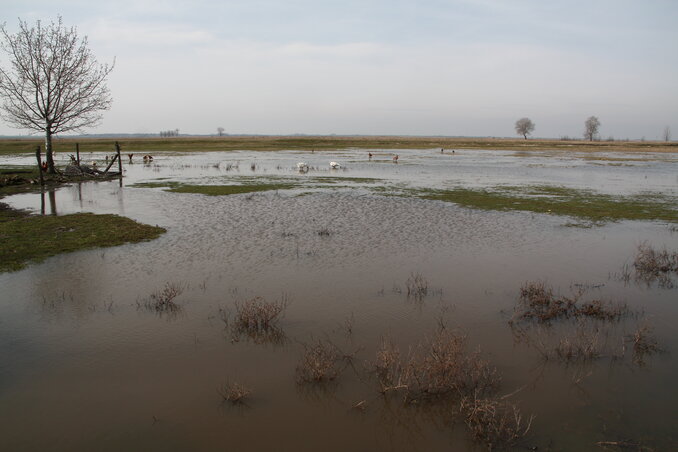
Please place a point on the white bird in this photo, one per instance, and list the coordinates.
(335, 165)
(302, 166)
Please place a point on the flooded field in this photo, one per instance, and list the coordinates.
(143, 346)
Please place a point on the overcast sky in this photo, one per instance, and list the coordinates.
(427, 67)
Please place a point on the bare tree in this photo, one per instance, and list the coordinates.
(667, 134)
(221, 131)
(524, 127)
(591, 127)
(54, 83)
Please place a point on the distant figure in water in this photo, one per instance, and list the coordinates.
(395, 158)
(130, 157)
(312, 151)
(370, 155)
(441, 150)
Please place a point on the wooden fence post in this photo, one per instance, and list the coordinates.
(77, 153)
(117, 149)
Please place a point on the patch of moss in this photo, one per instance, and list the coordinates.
(584, 204)
(27, 238)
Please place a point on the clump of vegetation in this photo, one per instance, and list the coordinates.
(258, 320)
(32, 238)
(417, 286)
(215, 190)
(582, 346)
(494, 421)
(439, 367)
(537, 302)
(655, 265)
(162, 301)
(597, 208)
(319, 363)
(234, 392)
(644, 344)
(324, 232)
(258, 313)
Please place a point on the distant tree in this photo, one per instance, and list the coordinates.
(54, 83)
(667, 133)
(524, 127)
(221, 131)
(591, 127)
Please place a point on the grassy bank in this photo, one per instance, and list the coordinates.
(27, 238)
(324, 143)
(582, 204)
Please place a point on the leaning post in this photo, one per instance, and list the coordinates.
(77, 153)
(37, 156)
(117, 149)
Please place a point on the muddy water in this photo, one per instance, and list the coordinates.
(85, 366)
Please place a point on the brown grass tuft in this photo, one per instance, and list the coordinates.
(234, 392)
(494, 421)
(162, 301)
(257, 319)
(538, 303)
(319, 363)
(655, 265)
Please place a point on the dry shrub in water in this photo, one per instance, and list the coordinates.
(494, 421)
(234, 392)
(319, 363)
(538, 302)
(162, 301)
(582, 346)
(258, 319)
(439, 367)
(651, 264)
(257, 313)
(644, 343)
(417, 286)
(389, 367)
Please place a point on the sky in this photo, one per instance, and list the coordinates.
(373, 67)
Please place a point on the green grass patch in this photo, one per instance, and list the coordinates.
(215, 190)
(582, 204)
(28, 238)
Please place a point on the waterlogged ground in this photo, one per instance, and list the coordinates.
(87, 366)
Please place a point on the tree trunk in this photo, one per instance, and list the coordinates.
(48, 151)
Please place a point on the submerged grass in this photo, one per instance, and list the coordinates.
(584, 204)
(215, 190)
(27, 238)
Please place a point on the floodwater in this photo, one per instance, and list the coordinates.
(85, 366)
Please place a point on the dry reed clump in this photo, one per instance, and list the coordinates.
(583, 345)
(644, 344)
(651, 265)
(319, 363)
(234, 392)
(162, 301)
(259, 314)
(538, 302)
(494, 421)
(257, 319)
(439, 367)
(417, 286)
